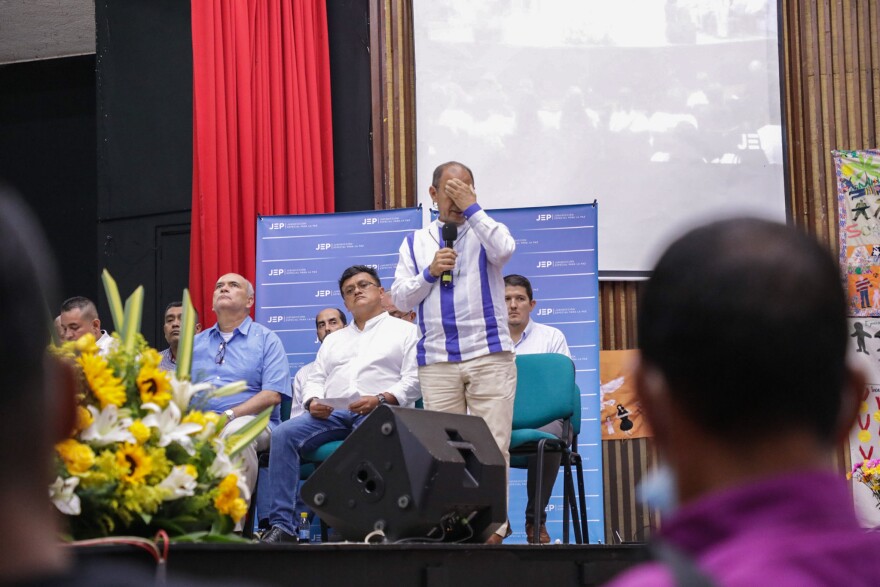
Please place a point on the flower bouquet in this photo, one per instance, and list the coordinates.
(141, 459)
(868, 473)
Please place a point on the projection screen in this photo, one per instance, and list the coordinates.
(667, 113)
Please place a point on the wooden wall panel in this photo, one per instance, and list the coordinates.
(831, 69)
(830, 63)
(393, 84)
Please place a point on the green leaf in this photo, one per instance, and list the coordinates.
(134, 310)
(222, 525)
(191, 537)
(229, 389)
(225, 538)
(187, 336)
(113, 299)
(247, 433)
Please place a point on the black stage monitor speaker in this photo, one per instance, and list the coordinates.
(413, 474)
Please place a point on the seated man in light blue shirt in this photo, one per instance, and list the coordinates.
(530, 337)
(370, 362)
(237, 348)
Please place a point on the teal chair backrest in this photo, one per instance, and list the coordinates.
(544, 390)
(576, 410)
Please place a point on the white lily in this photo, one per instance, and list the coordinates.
(209, 429)
(107, 427)
(167, 421)
(223, 465)
(179, 483)
(63, 495)
(182, 392)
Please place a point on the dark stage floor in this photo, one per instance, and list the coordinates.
(397, 565)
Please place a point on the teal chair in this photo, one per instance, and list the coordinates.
(545, 392)
(576, 460)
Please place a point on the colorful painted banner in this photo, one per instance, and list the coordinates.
(858, 197)
(622, 417)
(864, 438)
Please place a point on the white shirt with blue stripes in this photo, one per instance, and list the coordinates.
(469, 319)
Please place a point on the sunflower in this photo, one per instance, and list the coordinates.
(228, 501)
(154, 385)
(86, 344)
(77, 457)
(135, 462)
(104, 384)
(150, 358)
(140, 431)
(207, 420)
(84, 419)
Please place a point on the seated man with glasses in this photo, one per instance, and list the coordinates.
(237, 348)
(370, 362)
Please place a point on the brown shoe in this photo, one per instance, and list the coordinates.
(543, 536)
(498, 538)
(495, 539)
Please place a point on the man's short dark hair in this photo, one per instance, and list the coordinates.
(354, 270)
(746, 319)
(342, 317)
(514, 280)
(177, 304)
(83, 304)
(438, 172)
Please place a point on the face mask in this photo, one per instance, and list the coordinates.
(658, 490)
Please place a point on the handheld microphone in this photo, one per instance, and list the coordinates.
(449, 234)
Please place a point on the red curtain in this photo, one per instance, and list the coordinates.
(262, 133)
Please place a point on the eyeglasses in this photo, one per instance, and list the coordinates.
(221, 353)
(360, 285)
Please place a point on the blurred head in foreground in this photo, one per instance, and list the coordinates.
(745, 381)
(743, 338)
(37, 399)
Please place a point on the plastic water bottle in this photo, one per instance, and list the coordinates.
(305, 529)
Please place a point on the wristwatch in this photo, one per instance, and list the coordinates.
(307, 404)
(382, 400)
(230, 415)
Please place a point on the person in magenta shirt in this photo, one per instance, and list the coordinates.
(744, 380)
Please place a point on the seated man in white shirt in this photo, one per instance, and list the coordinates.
(530, 337)
(370, 362)
(79, 317)
(328, 320)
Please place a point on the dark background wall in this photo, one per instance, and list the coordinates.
(101, 146)
(144, 93)
(144, 105)
(47, 152)
(348, 24)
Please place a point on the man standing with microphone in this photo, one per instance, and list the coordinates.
(454, 276)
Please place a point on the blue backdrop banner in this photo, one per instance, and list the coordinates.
(300, 258)
(556, 250)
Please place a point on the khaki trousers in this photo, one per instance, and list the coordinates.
(485, 387)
